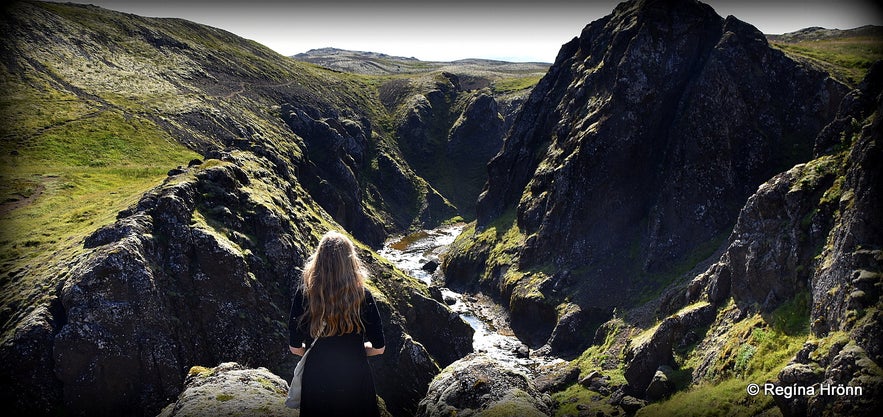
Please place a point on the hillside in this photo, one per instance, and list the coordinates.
(845, 54)
(450, 116)
(621, 179)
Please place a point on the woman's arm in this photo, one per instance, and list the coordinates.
(296, 335)
(372, 351)
(373, 327)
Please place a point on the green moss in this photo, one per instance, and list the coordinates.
(723, 398)
(576, 396)
(515, 403)
(200, 371)
(607, 359)
(224, 397)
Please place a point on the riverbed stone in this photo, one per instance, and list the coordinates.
(522, 351)
(430, 266)
(556, 376)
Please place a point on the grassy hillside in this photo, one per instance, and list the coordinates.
(98, 106)
(93, 116)
(845, 54)
(68, 166)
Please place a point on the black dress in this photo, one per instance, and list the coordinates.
(337, 378)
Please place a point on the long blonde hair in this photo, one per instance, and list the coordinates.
(333, 283)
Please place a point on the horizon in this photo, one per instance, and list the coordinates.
(514, 31)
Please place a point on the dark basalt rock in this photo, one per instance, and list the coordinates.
(635, 153)
(449, 143)
(816, 229)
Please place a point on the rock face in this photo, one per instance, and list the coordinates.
(633, 156)
(814, 230)
(477, 385)
(338, 151)
(448, 134)
(644, 356)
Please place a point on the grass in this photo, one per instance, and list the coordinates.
(498, 243)
(846, 59)
(515, 84)
(69, 165)
(606, 359)
(754, 351)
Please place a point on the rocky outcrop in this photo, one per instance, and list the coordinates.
(846, 282)
(230, 389)
(200, 271)
(480, 386)
(646, 354)
(631, 159)
(338, 151)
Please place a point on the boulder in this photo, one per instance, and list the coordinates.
(228, 390)
(430, 266)
(661, 385)
(480, 385)
(556, 376)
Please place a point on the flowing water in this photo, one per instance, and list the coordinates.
(489, 320)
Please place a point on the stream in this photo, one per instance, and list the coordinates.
(490, 321)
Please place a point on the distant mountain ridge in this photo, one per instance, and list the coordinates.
(819, 33)
(379, 63)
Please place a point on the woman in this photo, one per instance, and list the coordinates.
(333, 307)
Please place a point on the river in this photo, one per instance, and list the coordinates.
(490, 320)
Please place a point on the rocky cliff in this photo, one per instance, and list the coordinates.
(200, 272)
(631, 159)
(449, 122)
(794, 299)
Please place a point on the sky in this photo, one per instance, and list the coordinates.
(513, 30)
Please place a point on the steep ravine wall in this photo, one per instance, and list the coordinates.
(628, 164)
(810, 238)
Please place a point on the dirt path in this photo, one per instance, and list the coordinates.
(7, 207)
